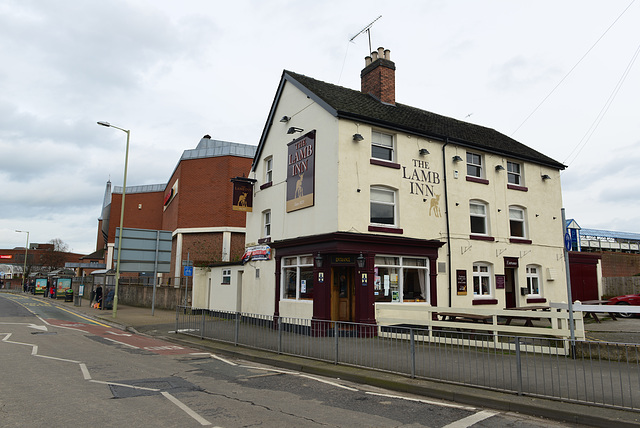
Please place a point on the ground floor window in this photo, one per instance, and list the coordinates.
(401, 279)
(297, 278)
(533, 280)
(481, 280)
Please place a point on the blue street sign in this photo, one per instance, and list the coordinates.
(188, 271)
(567, 241)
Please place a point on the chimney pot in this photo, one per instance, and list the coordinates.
(378, 77)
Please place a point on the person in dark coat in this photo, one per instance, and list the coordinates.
(99, 296)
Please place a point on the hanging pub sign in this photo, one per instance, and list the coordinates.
(242, 194)
(301, 155)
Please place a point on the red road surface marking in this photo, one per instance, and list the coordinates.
(156, 346)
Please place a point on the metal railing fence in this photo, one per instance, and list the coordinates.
(595, 373)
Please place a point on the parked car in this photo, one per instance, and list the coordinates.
(629, 299)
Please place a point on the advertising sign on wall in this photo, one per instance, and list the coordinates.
(301, 155)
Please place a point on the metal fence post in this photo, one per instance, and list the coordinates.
(335, 340)
(279, 335)
(519, 365)
(413, 354)
(237, 333)
(202, 326)
(177, 316)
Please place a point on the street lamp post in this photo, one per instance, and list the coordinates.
(124, 190)
(24, 268)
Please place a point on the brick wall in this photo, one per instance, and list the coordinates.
(620, 264)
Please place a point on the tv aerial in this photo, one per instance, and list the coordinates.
(367, 29)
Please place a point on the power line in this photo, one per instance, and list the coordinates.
(572, 68)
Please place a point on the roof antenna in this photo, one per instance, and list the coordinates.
(367, 28)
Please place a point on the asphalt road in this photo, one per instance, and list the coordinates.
(61, 369)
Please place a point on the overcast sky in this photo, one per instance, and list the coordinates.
(558, 76)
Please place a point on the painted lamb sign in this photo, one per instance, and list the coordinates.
(301, 172)
(423, 182)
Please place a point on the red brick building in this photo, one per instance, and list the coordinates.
(195, 205)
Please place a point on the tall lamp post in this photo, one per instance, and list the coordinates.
(124, 190)
(24, 268)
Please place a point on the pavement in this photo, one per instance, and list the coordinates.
(163, 322)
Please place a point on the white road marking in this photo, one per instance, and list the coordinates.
(58, 359)
(470, 420)
(186, 409)
(85, 371)
(118, 334)
(125, 385)
(419, 400)
(121, 343)
(329, 383)
(223, 360)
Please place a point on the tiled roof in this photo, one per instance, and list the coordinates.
(351, 104)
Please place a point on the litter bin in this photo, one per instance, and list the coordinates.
(68, 295)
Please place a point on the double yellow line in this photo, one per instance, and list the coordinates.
(59, 307)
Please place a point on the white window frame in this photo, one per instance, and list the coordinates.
(522, 221)
(514, 177)
(378, 140)
(482, 271)
(266, 224)
(268, 169)
(393, 204)
(483, 216)
(401, 267)
(471, 163)
(534, 274)
(226, 276)
(301, 261)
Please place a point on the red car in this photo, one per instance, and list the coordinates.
(629, 299)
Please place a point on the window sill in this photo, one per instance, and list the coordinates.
(519, 241)
(384, 163)
(477, 180)
(385, 229)
(482, 238)
(520, 188)
(536, 300)
(265, 185)
(485, 301)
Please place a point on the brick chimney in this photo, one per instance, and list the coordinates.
(378, 77)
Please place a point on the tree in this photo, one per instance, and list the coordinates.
(55, 257)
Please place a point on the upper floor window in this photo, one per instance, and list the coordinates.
(478, 215)
(517, 222)
(481, 279)
(533, 280)
(268, 170)
(383, 206)
(382, 146)
(297, 277)
(266, 218)
(514, 173)
(474, 165)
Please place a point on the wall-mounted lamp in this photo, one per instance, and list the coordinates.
(457, 158)
(285, 119)
(319, 260)
(424, 152)
(545, 177)
(294, 129)
(499, 168)
(360, 260)
(357, 138)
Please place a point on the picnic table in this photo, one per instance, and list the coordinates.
(593, 314)
(460, 316)
(528, 319)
